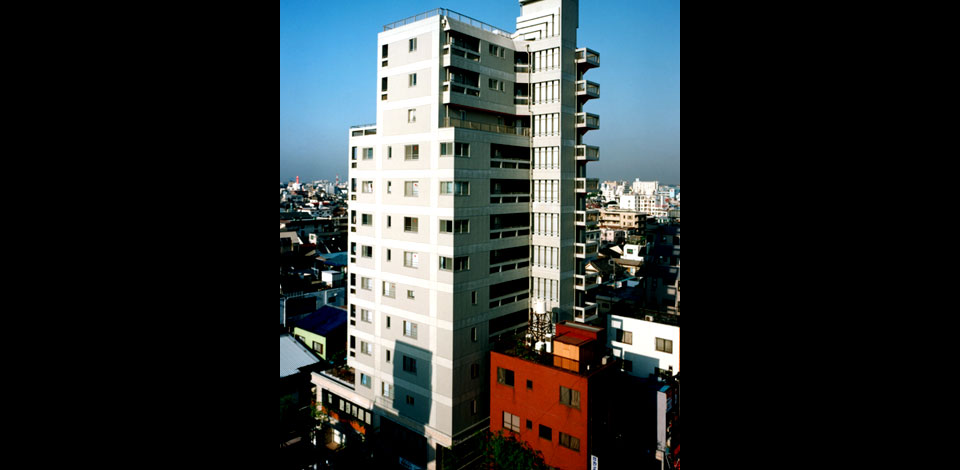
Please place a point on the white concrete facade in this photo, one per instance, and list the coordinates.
(651, 345)
(463, 200)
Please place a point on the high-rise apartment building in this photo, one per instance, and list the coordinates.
(467, 205)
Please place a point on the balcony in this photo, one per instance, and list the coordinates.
(588, 153)
(481, 126)
(588, 218)
(587, 90)
(521, 100)
(587, 59)
(587, 185)
(586, 250)
(582, 314)
(586, 282)
(521, 68)
(588, 121)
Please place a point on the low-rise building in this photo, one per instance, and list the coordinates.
(563, 403)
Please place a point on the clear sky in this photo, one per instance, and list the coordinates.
(328, 80)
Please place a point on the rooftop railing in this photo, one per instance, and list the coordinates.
(453, 16)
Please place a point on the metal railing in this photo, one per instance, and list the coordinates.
(363, 125)
(453, 16)
(480, 126)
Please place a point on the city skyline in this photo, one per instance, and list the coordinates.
(639, 77)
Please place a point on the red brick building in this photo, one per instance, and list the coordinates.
(560, 403)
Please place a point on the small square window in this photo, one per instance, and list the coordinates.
(529, 385)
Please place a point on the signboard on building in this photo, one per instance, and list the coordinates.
(594, 463)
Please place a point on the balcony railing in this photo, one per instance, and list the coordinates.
(588, 153)
(587, 185)
(588, 121)
(521, 100)
(589, 58)
(481, 126)
(588, 89)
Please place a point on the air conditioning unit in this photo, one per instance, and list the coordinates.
(648, 318)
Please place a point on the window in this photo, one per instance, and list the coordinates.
(366, 283)
(388, 255)
(624, 337)
(389, 222)
(388, 355)
(353, 248)
(411, 152)
(365, 316)
(411, 189)
(387, 390)
(383, 84)
(409, 400)
(412, 79)
(353, 153)
(410, 330)
(411, 117)
(461, 263)
(411, 224)
(511, 422)
(389, 289)
(627, 366)
(389, 187)
(411, 259)
(504, 376)
(365, 380)
(318, 347)
(383, 51)
(458, 188)
(366, 219)
(665, 345)
(413, 44)
(495, 84)
(367, 252)
(496, 51)
(366, 348)
(474, 407)
(368, 187)
(529, 424)
(569, 397)
(473, 334)
(446, 264)
(475, 298)
(570, 442)
(546, 433)
(388, 327)
(410, 295)
(456, 149)
(446, 226)
(368, 154)
(475, 371)
(529, 385)
(410, 365)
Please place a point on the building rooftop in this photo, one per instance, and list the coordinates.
(324, 321)
(293, 356)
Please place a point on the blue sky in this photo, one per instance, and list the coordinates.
(639, 77)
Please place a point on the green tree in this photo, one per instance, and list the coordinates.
(507, 452)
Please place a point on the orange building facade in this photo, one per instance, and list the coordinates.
(559, 401)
